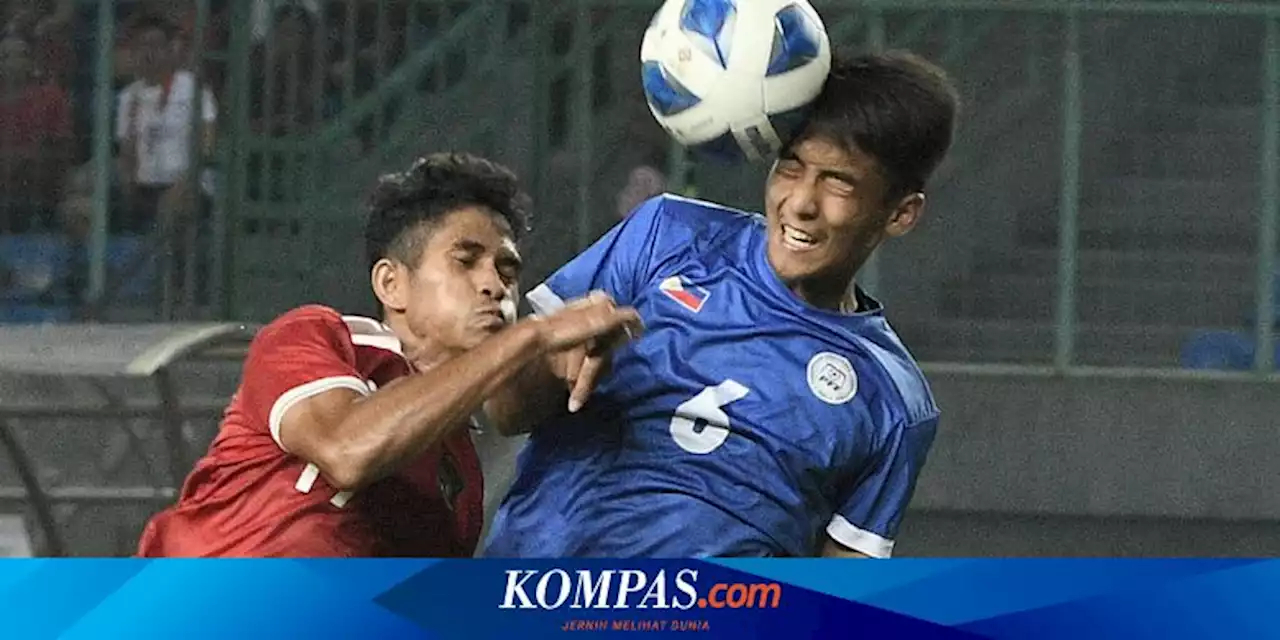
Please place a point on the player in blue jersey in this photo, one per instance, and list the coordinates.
(769, 410)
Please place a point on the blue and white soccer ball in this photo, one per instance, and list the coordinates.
(732, 78)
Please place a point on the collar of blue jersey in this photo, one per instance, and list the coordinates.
(863, 302)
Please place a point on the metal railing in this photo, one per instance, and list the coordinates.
(1056, 95)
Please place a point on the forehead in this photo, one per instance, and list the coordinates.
(825, 153)
(472, 224)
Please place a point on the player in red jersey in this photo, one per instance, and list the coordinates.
(348, 436)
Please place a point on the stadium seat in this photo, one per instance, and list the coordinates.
(41, 266)
(17, 313)
(37, 263)
(120, 251)
(1221, 350)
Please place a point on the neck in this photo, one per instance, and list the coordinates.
(157, 77)
(423, 353)
(824, 296)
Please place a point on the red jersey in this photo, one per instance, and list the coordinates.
(250, 497)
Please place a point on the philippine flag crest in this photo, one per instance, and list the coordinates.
(690, 296)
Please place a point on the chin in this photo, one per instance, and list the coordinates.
(787, 268)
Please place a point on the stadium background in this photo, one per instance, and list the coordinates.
(1086, 291)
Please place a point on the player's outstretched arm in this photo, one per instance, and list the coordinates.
(356, 439)
(556, 384)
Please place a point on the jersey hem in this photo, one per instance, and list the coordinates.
(860, 540)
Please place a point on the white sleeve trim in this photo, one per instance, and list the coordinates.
(859, 540)
(544, 301)
(304, 391)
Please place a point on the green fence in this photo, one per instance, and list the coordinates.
(1110, 205)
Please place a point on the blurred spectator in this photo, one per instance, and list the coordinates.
(182, 14)
(75, 212)
(287, 63)
(35, 132)
(265, 14)
(154, 129)
(47, 25)
(644, 182)
(287, 96)
(75, 215)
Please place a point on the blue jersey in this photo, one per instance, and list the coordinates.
(743, 423)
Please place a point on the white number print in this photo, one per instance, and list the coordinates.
(706, 409)
(308, 480)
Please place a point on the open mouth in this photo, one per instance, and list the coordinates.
(798, 240)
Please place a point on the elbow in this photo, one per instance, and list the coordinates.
(345, 477)
(344, 468)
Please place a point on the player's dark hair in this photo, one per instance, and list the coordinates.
(405, 204)
(897, 107)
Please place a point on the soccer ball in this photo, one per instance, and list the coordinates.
(732, 78)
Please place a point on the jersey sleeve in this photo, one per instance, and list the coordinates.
(868, 520)
(618, 263)
(304, 353)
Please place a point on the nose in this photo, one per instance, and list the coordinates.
(801, 202)
(490, 284)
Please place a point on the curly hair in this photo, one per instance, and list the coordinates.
(411, 201)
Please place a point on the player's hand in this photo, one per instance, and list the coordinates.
(594, 322)
(584, 366)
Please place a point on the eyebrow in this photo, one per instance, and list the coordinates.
(843, 176)
(468, 245)
(501, 255)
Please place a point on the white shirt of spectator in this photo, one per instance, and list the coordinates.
(162, 138)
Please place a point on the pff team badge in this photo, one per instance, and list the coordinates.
(831, 378)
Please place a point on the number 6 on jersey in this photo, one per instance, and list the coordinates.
(706, 408)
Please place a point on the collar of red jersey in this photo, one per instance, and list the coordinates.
(367, 332)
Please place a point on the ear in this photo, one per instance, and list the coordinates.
(906, 214)
(390, 283)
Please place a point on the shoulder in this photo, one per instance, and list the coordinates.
(306, 325)
(132, 89)
(307, 315)
(897, 376)
(679, 225)
(697, 216)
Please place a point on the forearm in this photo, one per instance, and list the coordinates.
(833, 549)
(396, 424)
(533, 395)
